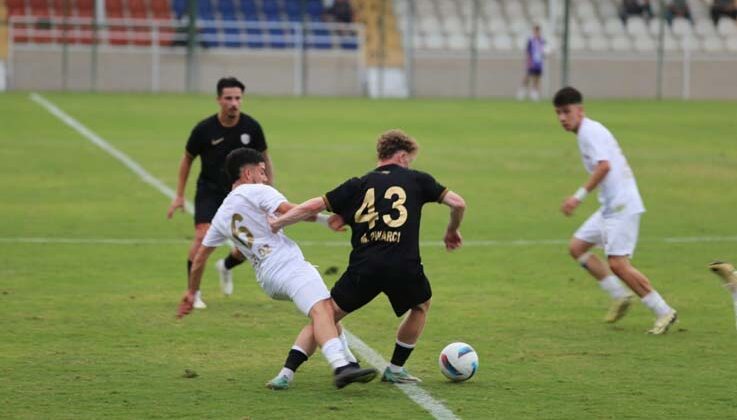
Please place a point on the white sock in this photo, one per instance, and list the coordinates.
(334, 353)
(612, 285)
(655, 303)
(287, 373)
(734, 295)
(349, 355)
(394, 368)
(534, 95)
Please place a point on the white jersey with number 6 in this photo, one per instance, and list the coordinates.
(242, 218)
(619, 193)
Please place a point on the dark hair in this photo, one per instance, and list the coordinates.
(394, 141)
(239, 158)
(568, 96)
(229, 82)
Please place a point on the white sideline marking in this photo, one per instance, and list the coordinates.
(418, 395)
(343, 244)
(104, 145)
(414, 392)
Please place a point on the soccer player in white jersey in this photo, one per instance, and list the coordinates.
(281, 269)
(614, 226)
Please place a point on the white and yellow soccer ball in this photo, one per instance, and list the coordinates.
(458, 361)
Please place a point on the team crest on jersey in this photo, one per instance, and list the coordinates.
(245, 138)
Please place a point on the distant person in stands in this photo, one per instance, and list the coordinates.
(340, 12)
(721, 8)
(678, 9)
(535, 58)
(635, 8)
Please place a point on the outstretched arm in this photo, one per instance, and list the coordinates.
(195, 278)
(178, 202)
(600, 172)
(453, 239)
(304, 211)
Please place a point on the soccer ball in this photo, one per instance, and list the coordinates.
(458, 361)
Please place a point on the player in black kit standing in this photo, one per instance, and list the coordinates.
(212, 139)
(383, 209)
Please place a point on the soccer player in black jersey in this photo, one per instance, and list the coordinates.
(383, 209)
(212, 139)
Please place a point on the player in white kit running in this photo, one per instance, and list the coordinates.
(281, 269)
(615, 226)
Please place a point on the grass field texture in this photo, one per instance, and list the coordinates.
(87, 329)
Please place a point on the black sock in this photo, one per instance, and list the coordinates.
(231, 261)
(189, 267)
(295, 359)
(401, 354)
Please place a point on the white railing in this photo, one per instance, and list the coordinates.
(160, 36)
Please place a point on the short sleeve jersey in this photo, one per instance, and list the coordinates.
(383, 209)
(618, 191)
(535, 52)
(212, 142)
(242, 218)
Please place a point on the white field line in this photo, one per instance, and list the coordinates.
(104, 145)
(418, 395)
(345, 243)
(414, 392)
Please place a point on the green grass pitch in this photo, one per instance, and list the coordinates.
(87, 330)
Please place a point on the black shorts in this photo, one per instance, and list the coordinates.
(534, 71)
(207, 200)
(354, 290)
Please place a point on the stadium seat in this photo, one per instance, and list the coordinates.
(315, 8)
(621, 43)
(704, 27)
(85, 8)
(502, 42)
(40, 8)
(613, 26)
(681, 27)
(458, 42)
(591, 27)
(584, 10)
(483, 43)
(644, 43)
(514, 10)
(434, 41)
(537, 11)
(713, 44)
(180, 8)
(598, 43)
(726, 27)
(226, 8)
(519, 27)
(319, 36)
(231, 31)
(497, 25)
(249, 9)
(576, 43)
(453, 25)
(731, 44)
(271, 10)
(429, 25)
(16, 8)
(689, 43)
(255, 33)
(636, 26)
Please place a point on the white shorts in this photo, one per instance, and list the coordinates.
(298, 281)
(616, 234)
